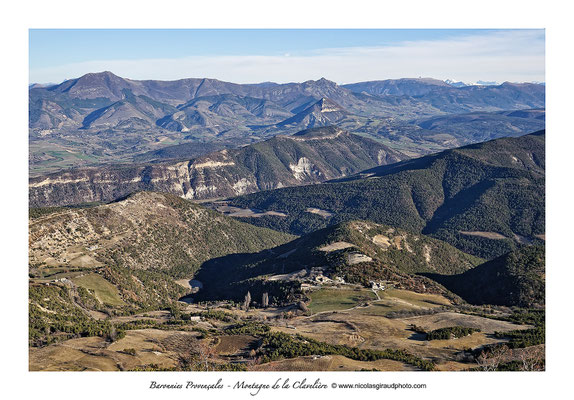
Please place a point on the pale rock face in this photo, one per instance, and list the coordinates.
(199, 191)
(212, 164)
(427, 253)
(60, 181)
(241, 186)
(325, 108)
(304, 168)
(188, 195)
(335, 135)
(356, 258)
(381, 156)
(179, 115)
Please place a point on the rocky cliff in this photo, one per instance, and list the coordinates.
(311, 156)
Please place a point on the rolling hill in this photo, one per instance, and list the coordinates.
(513, 279)
(358, 252)
(311, 156)
(141, 245)
(483, 126)
(484, 199)
(146, 230)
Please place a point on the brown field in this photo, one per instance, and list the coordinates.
(331, 363)
(231, 345)
(443, 320)
(367, 327)
(95, 354)
(359, 325)
(73, 355)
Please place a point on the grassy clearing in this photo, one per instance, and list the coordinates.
(383, 307)
(393, 300)
(332, 363)
(338, 299)
(416, 299)
(104, 291)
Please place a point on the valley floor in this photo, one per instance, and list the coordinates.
(369, 325)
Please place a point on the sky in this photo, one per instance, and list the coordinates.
(251, 56)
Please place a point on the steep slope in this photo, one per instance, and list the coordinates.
(132, 112)
(322, 113)
(354, 252)
(89, 264)
(404, 97)
(93, 91)
(149, 231)
(97, 85)
(184, 151)
(484, 198)
(514, 279)
(312, 156)
(223, 112)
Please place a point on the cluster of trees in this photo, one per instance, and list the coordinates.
(525, 337)
(264, 300)
(502, 358)
(157, 289)
(279, 345)
(63, 320)
(247, 328)
(522, 338)
(233, 276)
(452, 332)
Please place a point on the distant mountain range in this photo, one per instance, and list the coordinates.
(103, 100)
(116, 119)
(310, 156)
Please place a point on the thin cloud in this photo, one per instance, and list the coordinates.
(516, 55)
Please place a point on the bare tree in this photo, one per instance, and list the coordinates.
(491, 359)
(253, 360)
(247, 301)
(203, 352)
(532, 358)
(265, 300)
(113, 334)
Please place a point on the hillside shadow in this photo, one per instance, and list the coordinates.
(233, 275)
(419, 337)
